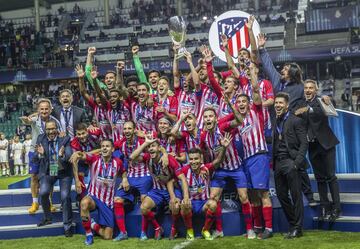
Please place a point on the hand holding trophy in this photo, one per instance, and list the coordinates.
(177, 32)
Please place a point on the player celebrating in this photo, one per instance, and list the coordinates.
(166, 106)
(164, 190)
(84, 141)
(138, 175)
(200, 188)
(104, 170)
(99, 106)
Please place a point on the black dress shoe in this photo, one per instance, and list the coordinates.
(335, 214)
(312, 203)
(44, 222)
(68, 233)
(294, 234)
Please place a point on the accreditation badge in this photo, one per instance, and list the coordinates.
(54, 168)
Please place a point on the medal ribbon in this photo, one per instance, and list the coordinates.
(280, 129)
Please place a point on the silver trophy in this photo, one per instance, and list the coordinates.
(177, 31)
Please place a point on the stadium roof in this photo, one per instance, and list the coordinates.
(6, 5)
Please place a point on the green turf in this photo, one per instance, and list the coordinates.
(5, 181)
(311, 240)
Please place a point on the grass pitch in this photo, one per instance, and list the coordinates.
(311, 240)
(5, 181)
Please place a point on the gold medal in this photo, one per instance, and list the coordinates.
(200, 190)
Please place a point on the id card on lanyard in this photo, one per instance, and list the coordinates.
(53, 159)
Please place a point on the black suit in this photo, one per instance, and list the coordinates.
(322, 152)
(78, 116)
(289, 151)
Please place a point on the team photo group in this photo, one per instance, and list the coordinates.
(175, 141)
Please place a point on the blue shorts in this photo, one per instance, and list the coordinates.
(105, 214)
(83, 168)
(141, 184)
(220, 176)
(257, 171)
(197, 206)
(162, 197)
(33, 167)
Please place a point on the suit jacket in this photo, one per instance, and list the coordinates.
(65, 167)
(318, 124)
(79, 115)
(294, 135)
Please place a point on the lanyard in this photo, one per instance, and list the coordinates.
(105, 172)
(282, 123)
(197, 138)
(53, 157)
(133, 146)
(198, 182)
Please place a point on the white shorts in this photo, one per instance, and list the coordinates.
(18, 161)
(3, 156)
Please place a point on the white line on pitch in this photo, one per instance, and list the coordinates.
(182, 245)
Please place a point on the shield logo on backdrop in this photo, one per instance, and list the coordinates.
(232, 24)
(237, 33)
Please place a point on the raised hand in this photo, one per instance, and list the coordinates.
(184, 114)
(250, 22)
(91, 50)
(226, 140)
(261, 38)
(120, 65)
(135, 49)
(207, 55)
(80, 71)
(149, 139)
(40, 149)
(62, 151)
(202, 48)
(188, 57)
(301, 110)
(224, 41)
(94, 73)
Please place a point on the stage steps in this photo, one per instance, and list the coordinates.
(15, 222)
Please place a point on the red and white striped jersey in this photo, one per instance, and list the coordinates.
(100, 113)
(188, 101)
(144, 117)
(224, 108)
(199, 189)
(252, 132)
(162, 175)
(209, 99)
(176, 147)
(190, 141)
(103, 177)
(92, 142)
(136, 168)
(266, 92)
(118, 117)
(170, 104)
(211, 143)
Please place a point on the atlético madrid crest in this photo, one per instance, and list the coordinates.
(232, 24)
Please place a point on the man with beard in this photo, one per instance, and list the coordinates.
(84, 141)
(230, 167)
(199, 188)
(322, 150)
(138, 176)
(37, 122)
(99, 106)
(289, 151)
(143, 115)
(104, 170)
(188, 99)
(118, 114)
(165, 186)
(68, 114)
(110, 76)
(52, 155)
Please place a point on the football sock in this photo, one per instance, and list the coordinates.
(246, 210)
(218, 217)
(209, 218)
(119, 216)
(267, 213)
